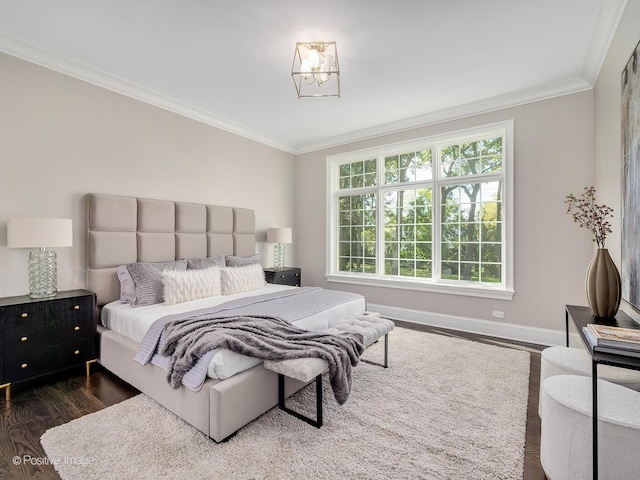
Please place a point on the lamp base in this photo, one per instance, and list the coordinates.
(278, 256)
(43, 276)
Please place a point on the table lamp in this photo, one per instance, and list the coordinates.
(40, 233)
(279, 236)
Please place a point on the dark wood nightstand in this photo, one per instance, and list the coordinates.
(288, 276)
(46, 335)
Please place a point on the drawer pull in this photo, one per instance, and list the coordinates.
(23, 339)
(76, 307)
(77, 352)
(297, 274)
(24, 365)
(24, 315)
(281, 276)
(76, 328)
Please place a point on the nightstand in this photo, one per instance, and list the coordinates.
(45, 335)
(288, 276)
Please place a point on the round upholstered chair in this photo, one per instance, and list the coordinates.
(576, 361)
(566, 432)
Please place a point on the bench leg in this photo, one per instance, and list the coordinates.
(386, 351)
(385, 364)
(316, 423)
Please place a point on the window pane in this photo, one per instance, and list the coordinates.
(405, 238)
(491, 273)
(369, 265)
(409, 167)
(423, 269)
(407, 268)
(391, 169)
(391, 234)
(491, 252)
(391, 267)
(475, 239)
(423, 233)
(472, 158)
(358, 174)
(357, 247)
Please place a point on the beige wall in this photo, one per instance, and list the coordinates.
(61, 138)
(608, 147)
(553, 157)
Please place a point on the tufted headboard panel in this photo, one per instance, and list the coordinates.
(122, 230)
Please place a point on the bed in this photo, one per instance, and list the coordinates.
(124, 230)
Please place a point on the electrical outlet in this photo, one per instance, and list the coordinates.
(498, 314)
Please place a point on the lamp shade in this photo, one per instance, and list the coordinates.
(279, 235)
(32, 232)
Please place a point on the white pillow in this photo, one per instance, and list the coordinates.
(241, 279)
(190, 285)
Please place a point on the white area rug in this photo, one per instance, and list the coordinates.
(444, 409)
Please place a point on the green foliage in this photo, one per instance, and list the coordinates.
(470, 214)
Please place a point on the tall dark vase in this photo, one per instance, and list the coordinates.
(603, 285)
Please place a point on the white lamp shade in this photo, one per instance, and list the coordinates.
(279, 235)
(32, 232)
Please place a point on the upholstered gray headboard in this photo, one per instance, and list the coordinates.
(123, 230)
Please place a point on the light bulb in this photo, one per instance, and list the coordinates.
(329, 62)
(304, 68)
(314, 59)
(324, 76)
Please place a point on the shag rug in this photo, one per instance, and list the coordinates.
(445, 408)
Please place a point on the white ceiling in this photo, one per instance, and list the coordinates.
(403, 63)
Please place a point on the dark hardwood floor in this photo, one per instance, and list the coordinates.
(34, 409)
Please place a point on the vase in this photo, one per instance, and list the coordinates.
(603, 285)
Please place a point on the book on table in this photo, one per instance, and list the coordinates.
(608, 339)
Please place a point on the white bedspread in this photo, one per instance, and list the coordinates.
(134, 323)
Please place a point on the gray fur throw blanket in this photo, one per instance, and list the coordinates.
(266, 338)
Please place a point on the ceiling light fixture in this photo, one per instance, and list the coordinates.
(315, 69)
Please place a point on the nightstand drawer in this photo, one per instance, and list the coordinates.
(34, 336)
(288, 276)
(50, 313)
(29, 363)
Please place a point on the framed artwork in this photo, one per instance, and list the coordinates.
(631, 180)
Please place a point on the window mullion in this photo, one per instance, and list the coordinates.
(435, 218)
(380, 219)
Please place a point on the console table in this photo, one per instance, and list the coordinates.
(581, 316)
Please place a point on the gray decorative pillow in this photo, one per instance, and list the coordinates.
(127, 287)
(233, 261)
(206, 262)
(148, 280)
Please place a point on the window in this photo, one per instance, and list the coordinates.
(431, 214)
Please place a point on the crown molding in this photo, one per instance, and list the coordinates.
(25, 51)
(604, 30)
(521, 97)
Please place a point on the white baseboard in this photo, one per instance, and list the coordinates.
(539, 336)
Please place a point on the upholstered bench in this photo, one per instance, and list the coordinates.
(369, 327)
(566, 434)
(576, 361)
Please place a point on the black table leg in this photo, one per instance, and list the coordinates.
(594, 414)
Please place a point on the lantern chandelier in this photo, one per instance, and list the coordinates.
(315, 69)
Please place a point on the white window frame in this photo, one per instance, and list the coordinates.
(502, 291)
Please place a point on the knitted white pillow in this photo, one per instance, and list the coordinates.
(190, 285)
(241, 279)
